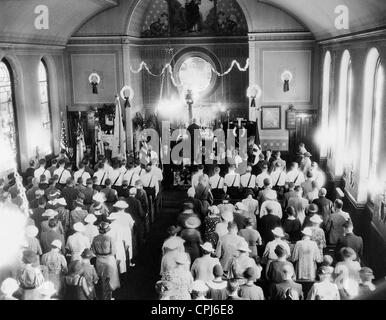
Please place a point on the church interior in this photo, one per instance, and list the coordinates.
(82, 83)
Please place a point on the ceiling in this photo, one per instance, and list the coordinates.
(120, 16)
(17, 19)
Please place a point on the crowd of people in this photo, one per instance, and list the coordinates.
(267, 233)
(84, 230)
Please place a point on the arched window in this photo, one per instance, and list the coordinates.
(46, 143)
(371, 125)
(325, 102)
(8, 125)
(342, 125)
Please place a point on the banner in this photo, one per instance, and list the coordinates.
(119, 141)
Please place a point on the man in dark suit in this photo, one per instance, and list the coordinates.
(350, 240)
(138, 215)
(267, 224)
(191, 129)
(325, 206)
(197, 205)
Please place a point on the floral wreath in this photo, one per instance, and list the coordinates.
(254, 91)
(94, 78)
(124, 90)
(286, 76)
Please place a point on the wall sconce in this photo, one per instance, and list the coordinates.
(286, 78)
(127, 94)
(254, 92)
(94, 80)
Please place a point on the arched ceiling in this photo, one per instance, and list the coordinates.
(121, 17)
(17, 19)
(319, 15)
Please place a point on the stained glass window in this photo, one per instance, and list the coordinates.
(45, 108)
(7, 115)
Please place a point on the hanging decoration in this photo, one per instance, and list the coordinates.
(63, 135)
(127, 94)
(286, 78)
(254, 92)
(80, 142)
(168, 68)
(94, 80)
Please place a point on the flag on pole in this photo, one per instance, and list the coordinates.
(119, 141)
(63, 134)
(80, 143)
(99, 146)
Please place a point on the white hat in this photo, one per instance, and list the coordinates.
(278, 232)
(227, 216)
(192, 222)
(271, 195)
(316, 219)
(133, 191)
(121, 205)
(50, 213)
(214, 210)
(241, 206)
(31, 231)
(191, 192)
(173, 243)
(307, 232)
(61, 201)
(57, 244)
(79, 227)
(208, 247)
(47, 289)
(244, 247)
(113, 216)
(90, 218)
(199, 286)
(99, 197)
(9, 286)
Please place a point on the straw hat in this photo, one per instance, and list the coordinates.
(278, 232)
(133, 191)
(31, 231)
(90, 218)
(208, 247)
(47, 289)
(79, 227)
(9, 286)
(113, 216)
(192, 223)
(173, 243)
(199, 286)
(241, 206)
(307, 232)
(313, 208)
(243, 247)
(121, 205)
(316, 219)
(214, 210)
(61, 201)
(57, 244)
(99, 197)
(50, 213)
(227, 216)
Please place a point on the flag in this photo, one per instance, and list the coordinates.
(99, 146)
(80, 144)
(63, 134)
(119, 141)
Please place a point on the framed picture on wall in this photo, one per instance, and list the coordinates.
(271, 118)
